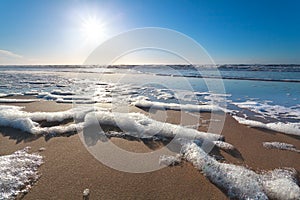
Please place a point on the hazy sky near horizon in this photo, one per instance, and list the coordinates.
(66, 32)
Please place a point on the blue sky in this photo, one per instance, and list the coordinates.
(65, 32)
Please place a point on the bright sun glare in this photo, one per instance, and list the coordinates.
(93, 29)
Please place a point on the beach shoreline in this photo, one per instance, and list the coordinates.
(69, 168)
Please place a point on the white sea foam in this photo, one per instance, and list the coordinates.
(169, 160)
(266, 110)
(175, 106)
(281, 146)
(238, 181)
(3, 100)
(213, 97)
(76, 101)
(139, 125)
(32, 92)
(61, 92)
(57, 130)
(5, 107)
(15, 94)
(18, 172)
(48, 96)
(3, 95)
(13, 116)
(288, 128)
(243, 183)
(164, 94)
(224, 145)
(69, 97)
(16, 112)
(281, 184)
(135, 124)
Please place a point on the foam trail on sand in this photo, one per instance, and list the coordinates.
(169, 160)
(287, 128)
(281, 184)
(58, 130)
(139, 125)
(280, 145)
(224, 145)
(77, 113)
(240, 182)
(175, 106)
(5, 107)
(134, 124)
(3, 100)
(13, 116)
(18, 172)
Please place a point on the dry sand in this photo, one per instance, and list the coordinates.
(69, 168)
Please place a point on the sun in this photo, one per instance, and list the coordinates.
(93, 29)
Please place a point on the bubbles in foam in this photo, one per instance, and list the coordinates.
(169, 160)
(273, 111)
(281, 146)
(18, 172)
(287, 128)
(242, 183)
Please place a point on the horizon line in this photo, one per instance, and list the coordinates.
(147, 64)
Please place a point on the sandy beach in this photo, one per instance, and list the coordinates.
(69, 168)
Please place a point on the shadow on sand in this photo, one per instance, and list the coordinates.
(275, 133)
(17, 135)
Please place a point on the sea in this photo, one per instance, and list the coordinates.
(265, 96)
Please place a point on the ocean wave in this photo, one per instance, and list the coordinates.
(136, 92)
